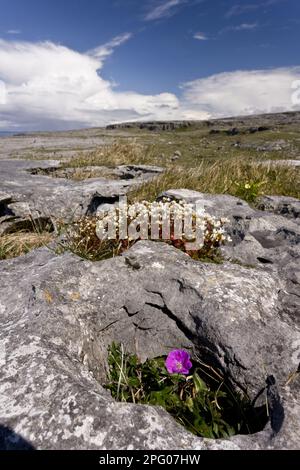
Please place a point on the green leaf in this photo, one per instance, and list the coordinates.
(215, 429)
(200, 385)
(190, 404)
(133, 382)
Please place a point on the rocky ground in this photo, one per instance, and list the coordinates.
(41, 195)
(59, 313)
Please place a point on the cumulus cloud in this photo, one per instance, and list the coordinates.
(242, 92)
(163, 9)
(49, 85)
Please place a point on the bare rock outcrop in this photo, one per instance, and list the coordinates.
(60, 313)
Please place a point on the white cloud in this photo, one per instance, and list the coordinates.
(51, 86)
(200, 36)
(240, 9)
(13, 31)
(107, 49)
(236, 10)
(242, 92)
(245, 26)
(240, 27)
(163, 9)
(2, 93)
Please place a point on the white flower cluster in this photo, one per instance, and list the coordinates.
(83, 230)
(167, 220)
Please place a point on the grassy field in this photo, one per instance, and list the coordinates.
(208, 159)
(214, 163)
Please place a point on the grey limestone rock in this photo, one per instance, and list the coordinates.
(32, 196)
(60, 313)
(283, 205)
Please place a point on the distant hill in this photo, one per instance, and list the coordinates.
(257, 120)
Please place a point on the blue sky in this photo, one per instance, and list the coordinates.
(160, 49)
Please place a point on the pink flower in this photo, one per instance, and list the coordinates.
(178, 362)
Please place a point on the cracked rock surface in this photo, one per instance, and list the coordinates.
(25, 195)
(59, 314)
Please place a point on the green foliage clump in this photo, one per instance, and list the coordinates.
(207, 408)
(249, 191)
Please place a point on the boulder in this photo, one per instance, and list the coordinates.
(259, 237)
(60, 313)
(220, 205)
(19, 216)
(60, 198)
(283, 205)
(263, 239)
(4, 198)
(277, 145)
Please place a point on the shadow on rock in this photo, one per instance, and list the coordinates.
(9, 440)
(275, 406)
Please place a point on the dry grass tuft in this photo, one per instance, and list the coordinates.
(118, 153)
(20, 243)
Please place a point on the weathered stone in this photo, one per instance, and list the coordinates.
(152, 126)
(64, 198)
(283, 205)
(277, 145)
(268, 240)
(60, 313)
(258, 237)
(22, 210)
(221, 205)
(122, 172)
(143, 172)
(4, 198)
(291, 163)
(15, 224)
(20, 217)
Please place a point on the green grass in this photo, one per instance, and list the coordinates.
(225, 176)
(209, 162)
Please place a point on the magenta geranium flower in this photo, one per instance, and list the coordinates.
(178, 362)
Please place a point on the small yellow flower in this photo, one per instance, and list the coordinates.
(247, 186)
